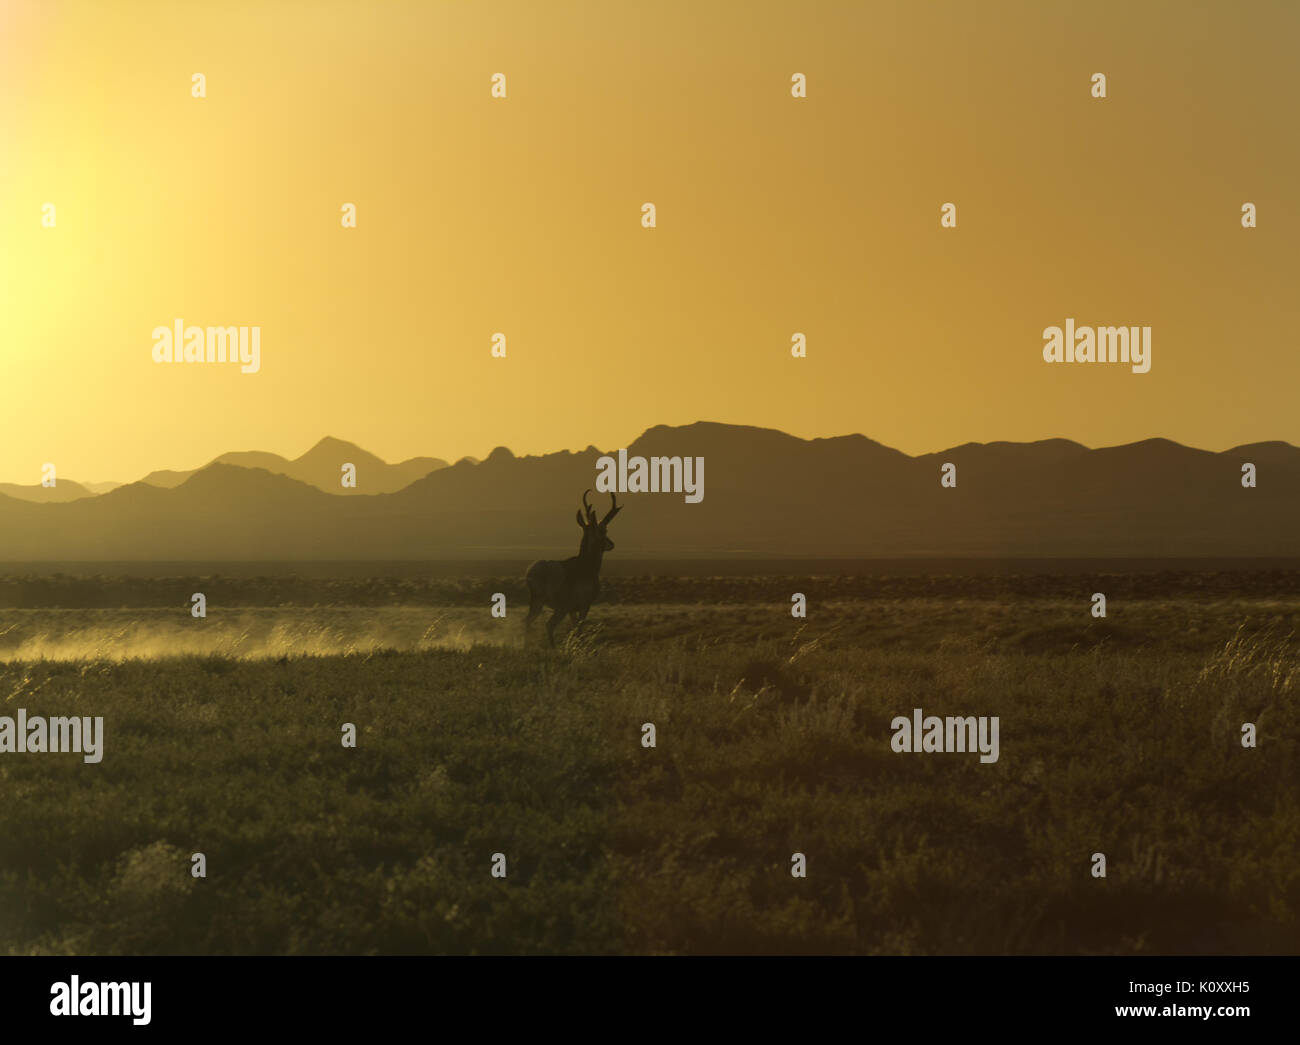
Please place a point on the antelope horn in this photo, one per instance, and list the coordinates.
(614, 508)
(591, 514)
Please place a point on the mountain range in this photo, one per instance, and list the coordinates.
(766, 493)
(321, 467)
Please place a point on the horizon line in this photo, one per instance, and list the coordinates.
(645, 431)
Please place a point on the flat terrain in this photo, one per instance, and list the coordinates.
(1120, 736)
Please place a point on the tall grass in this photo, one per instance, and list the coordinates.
(772, 738)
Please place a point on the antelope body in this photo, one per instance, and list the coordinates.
(570, 586)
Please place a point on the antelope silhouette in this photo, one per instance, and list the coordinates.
(570, 586)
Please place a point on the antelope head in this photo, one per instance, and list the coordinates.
(594, 538)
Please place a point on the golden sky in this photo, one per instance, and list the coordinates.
(522, 215)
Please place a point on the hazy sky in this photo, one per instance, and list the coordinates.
(523, 215)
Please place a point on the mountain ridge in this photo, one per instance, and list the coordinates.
(321, 466)
(765, 493)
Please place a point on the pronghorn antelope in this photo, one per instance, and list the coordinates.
(571, 586)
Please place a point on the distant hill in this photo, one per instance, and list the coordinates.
(321, 467)
(64, 490)
(765, 494)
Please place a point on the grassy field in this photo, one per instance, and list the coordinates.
(1119, 736)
